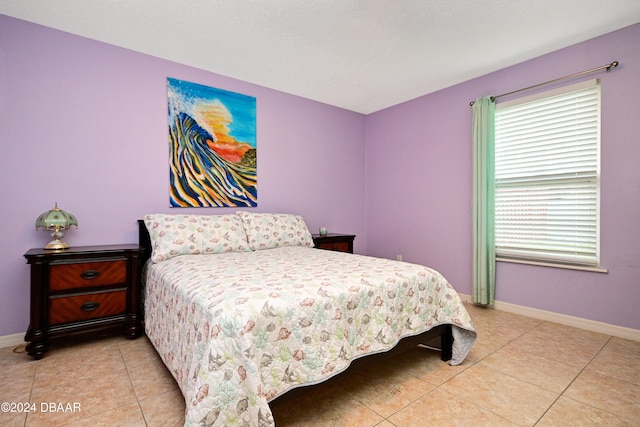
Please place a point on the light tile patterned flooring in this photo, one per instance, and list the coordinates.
(520, 372)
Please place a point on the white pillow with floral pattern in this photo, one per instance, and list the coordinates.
(174, 235)
(270, 230)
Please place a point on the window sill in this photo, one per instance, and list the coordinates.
(554, 265)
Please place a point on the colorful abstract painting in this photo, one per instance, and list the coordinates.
(212, 137)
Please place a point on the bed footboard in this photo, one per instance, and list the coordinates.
(446, 344)
(428, 338)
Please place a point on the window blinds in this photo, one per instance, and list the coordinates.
(547, 166)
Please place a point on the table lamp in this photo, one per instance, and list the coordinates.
(56, 220)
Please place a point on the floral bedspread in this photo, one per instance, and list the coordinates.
(238, 329)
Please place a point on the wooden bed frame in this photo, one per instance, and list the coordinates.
(430, 337)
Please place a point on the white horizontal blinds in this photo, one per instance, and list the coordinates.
(547, 177)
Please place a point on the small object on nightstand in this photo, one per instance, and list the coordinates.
(334, 242)
(323, 231)
(83, 289)
(56, 220)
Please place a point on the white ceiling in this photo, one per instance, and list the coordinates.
(361, 55)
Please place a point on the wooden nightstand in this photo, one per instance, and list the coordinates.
(334, 242)
(83, 289)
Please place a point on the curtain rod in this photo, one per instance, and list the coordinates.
(608, 67)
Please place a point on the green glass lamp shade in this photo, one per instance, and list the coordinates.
(56, 220)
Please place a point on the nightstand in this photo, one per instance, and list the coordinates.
(334, 242)
(83, 289)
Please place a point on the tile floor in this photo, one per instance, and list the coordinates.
(520, 372)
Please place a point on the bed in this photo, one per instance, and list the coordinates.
(244, 312)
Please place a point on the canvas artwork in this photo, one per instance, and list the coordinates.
(212, 139)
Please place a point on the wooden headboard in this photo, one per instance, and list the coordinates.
(144, 240)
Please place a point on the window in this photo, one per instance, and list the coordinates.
(547, 172)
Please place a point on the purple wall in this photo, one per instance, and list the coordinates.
(419, 185)
(84, 123)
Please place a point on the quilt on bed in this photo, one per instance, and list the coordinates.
(238, 329)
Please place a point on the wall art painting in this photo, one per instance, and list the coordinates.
(212, 139)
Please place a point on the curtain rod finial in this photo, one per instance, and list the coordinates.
(613, 65)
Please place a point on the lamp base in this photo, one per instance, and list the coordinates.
(56, 244)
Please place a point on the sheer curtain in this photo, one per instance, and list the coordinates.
(484, 252)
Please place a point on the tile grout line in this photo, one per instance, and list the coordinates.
(126, 366)
(477, 363)
(571, 382)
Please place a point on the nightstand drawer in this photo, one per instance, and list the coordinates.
(335, 246)
(85, 307)
(334, 242)
(86, 274)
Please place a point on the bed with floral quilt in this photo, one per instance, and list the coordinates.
(242, 309)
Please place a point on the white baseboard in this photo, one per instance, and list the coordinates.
(563, 319)
(11, 340)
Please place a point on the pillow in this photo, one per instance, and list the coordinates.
(268, 230)
(173, 235)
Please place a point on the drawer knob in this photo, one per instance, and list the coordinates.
(89, 306)
(90, 274)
